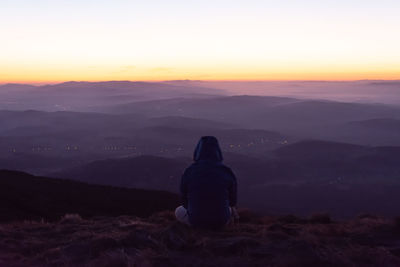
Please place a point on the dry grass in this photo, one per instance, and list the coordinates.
(160, 241)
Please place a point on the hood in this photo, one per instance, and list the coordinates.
(208, 149)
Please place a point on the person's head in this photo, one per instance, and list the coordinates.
(208, 149)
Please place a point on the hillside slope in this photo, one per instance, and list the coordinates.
(23, 196)
(150, 172)
(160, 241)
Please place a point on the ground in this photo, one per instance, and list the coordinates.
(161, 241)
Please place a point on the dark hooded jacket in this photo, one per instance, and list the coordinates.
(208, 187)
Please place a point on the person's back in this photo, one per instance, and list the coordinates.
(208, 187)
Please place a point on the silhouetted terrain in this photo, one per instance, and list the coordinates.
(306, 161)
(159, 241)
(294, 117)
(142, 135)
(27, 197)
(74, 138)
(342, 179)
(364, 91)
(80, 95)
(351, 163)
(42, 225)
(139, 172)
(380, 124)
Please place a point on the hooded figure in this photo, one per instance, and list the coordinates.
(208, 188)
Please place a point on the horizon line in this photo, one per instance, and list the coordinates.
(192, 80)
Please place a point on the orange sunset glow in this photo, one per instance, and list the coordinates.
(49, 42)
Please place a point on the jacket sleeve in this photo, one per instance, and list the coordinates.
(183, 190)
(233, 191)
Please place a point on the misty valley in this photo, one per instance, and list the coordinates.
(292, 153)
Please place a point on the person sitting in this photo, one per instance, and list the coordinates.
(208, 188)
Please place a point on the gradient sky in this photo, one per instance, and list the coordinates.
(54, 40)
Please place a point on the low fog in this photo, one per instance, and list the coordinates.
(296, 147)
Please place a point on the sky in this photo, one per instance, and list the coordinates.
(87, 40)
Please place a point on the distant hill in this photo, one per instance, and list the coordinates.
(338, 197)
(201, 108)
(371, 91)
(179, 121)
(80, 95)
(136, 88)
(322, 160)
(39, 123)
(149, 172)
(16, 87)
(380, 124)
(316, 175)
(233, 139)
(317, 150)
(27, 197)
(38, 163)
(295, 117)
